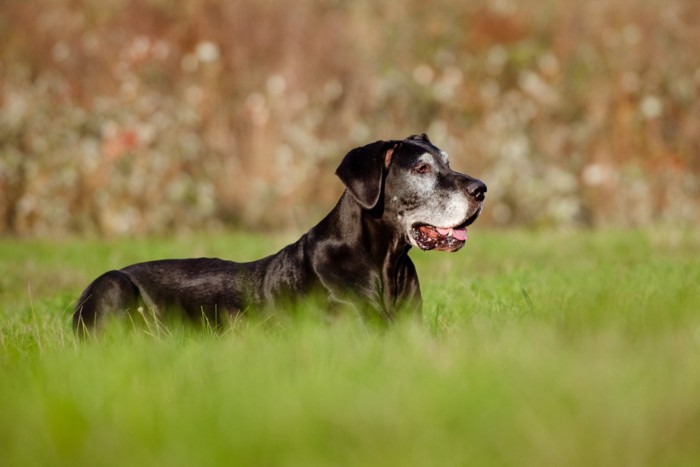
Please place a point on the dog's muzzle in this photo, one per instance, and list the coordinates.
(429, 237)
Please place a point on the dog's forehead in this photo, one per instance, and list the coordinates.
(412, 153)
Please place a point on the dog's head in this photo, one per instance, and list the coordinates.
(411, 184)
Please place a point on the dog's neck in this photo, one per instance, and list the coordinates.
(375, 230)
(373, 238)
(369, 235)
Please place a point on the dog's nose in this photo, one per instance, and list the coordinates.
(477, 190)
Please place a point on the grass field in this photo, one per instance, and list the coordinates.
(537, 348)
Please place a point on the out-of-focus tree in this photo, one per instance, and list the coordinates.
(151, 116)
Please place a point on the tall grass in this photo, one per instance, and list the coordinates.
(536, 349)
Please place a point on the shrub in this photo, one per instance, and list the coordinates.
(152, 116)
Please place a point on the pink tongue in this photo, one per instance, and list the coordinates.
(459, 234)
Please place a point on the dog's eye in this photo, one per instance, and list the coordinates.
(423, 168)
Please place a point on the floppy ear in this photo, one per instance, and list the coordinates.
(362, 171)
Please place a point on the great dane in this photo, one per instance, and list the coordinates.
(398, 194)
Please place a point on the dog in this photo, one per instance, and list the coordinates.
(398, 194)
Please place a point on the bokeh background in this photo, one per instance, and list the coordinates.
(155, 116)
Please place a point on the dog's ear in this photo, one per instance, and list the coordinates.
(362, 171)
(422, 137)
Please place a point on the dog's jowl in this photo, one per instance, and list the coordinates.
(399, 194)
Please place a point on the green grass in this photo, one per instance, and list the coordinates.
(537, 348)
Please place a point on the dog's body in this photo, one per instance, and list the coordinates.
(398, 194)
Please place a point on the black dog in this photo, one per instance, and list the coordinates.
(398, 194)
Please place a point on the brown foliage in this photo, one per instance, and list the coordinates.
(132, 117)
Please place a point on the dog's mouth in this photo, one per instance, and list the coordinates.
(429, 237)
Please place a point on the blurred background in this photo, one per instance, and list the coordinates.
(131, 117)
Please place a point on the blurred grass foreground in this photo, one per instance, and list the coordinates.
(536, 349)
(148, 116)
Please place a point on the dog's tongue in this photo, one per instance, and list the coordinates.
(459, 234)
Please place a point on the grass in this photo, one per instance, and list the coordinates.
(537, 348)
